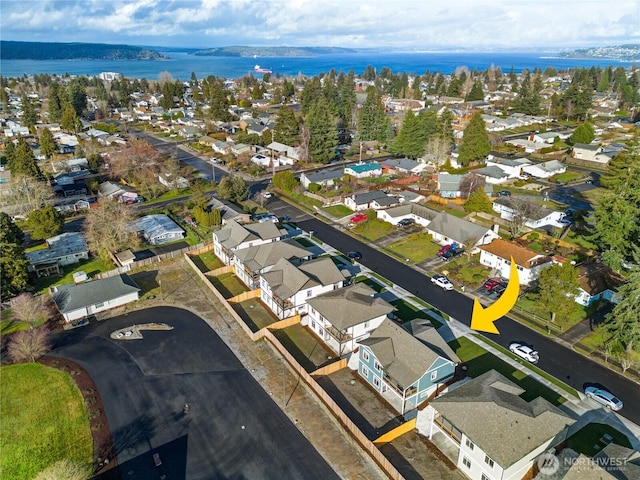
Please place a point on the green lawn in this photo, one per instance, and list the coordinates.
(91, 267)
(530, 305)
(373, 229)
(567, 176)
(587, 439)
(207, 261)
(592, 196)
(469, 273)
(44, 420)
(338, 211)
(580, 239)
(305, 242)
(479, 361)
(228, 285)
(374, 284)
(417, 247)
(407, 312)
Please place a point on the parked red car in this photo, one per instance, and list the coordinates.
(358, 217)
(492, 283)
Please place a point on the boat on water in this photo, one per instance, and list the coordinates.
(259, 69)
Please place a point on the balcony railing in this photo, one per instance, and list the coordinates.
(399, 388)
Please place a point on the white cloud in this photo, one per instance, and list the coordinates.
(361, 23)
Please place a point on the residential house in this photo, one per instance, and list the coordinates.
(446, 228)
(529, 263)
(221, 147)
(229, 211)
(173, 183)
(404, 369)
(495, 433)
(596, 282)
(534, 215)
(159, 228)
(286, 288)
(249, 263)
(591, 153)
(264, 161)
(364, 201)
(403, 166)
(70, 165)
(112, 190)
(418, 213)
(75, 301)
(233, 237)
(324, 178)
(364, 170)
(548, 137)
(513, 167)
(68, 205)
(239, 149)
(545, 169)
(449, 185)
(286, 154)
(63, 249)
(527, 145)
(69, 184)
(344, 317)
(493, 175)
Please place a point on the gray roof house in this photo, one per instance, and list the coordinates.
(403, 165)
(76, 301)
(496, 433)
(250, 262)
(535, 215)
(342, 318)
(63, 249)
(449, 185)
(364, 201)
(325, 178)
(404, 369)
(229, 211)
(159, 228)
(233, 237)
(286, 288)
(420, 214)
(446, 228)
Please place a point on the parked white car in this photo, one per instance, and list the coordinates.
(442, 282)
(603, 397)
(524, 351)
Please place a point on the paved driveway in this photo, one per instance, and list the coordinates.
(233, 428)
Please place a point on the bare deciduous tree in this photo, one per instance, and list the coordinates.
(437, 151)
(28, 194)
(29, 345)
(108, 228)
(626, 361)
(32, 309)
(471, 182)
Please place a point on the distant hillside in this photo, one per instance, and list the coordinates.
(628, 53)
(239, 51)
(10, 50)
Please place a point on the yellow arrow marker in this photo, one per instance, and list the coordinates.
(482, 318)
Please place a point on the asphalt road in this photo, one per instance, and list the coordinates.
(561, 362)
(233, 428)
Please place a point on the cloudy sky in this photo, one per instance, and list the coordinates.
(415, 24)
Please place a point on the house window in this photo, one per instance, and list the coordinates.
(469, 444)
(313, 311)
(488, 461)
(309, 293)
(485, 477)
(466, 462)
(366, 324)
(377, 366)
(376, 381)
(520, 268)
(365, 355)
(365, 371)
(434, 375)
(313, 324)
(99, 305)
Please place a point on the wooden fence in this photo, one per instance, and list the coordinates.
(245, 296)
(333, 407)
(331, 368)
(155, 259)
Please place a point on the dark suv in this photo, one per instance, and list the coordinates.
(452, 253)
(405, 222)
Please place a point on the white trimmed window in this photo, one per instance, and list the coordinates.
(488, 461)
(365, 355)
(466, 462)
(434, 375)
(469, 444)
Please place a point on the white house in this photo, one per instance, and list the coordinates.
(159, 228)
(364, 201)
(249, 263)
(342, 318)
(535, 216)
(529, 263)
(80, 300)
(513, 167)
(324, 178)
(286, 288)
(446, 228)
(265, 161)
(418, 213)
(233, 237)
(493, 175)
(494, 432)
(364, 170)
(545, 169)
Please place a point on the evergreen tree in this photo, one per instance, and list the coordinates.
(166, 101)
(48, 144)
(233, 188)
(70, 121)
(557, 289)
(372, 118)
(77, 96)
(475, 144)
(24, 161)
(478, 201)
(285, 180)
(29, 115)
(584, 133)
(444, 126)
(323, 138)
(45, 222)
(347, 102)
(215, 217)
(411, 139)
(311, 92)
(14, 276)
(476, 92)
(286, 130)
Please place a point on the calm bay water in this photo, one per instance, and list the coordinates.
(181, 64)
